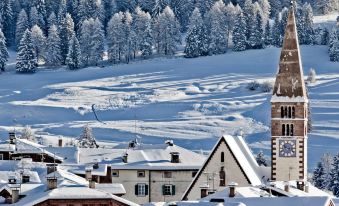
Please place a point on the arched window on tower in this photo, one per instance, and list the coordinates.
(282, 111)
(285, 112)
(289, 112)
(222, 177)
(222, 157)
(293, 112)
(287, 130)
(292, 130)
(283, 129)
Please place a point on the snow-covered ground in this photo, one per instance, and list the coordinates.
(193, 101)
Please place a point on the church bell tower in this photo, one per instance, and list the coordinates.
(289, 112)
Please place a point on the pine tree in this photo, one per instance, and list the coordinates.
(268, 34)
(3, 51)
(66, 33)
(86, 139)
(249, 16)
(91, 41)
(219, 29)
(52, 20)
(275, 7)
(266, 9)
(39, 42)
(129, 36)
(74, 58)
(333, 45)
(194, 40)
(26, 59)
(33, 17)
(318, 178)
(146, 46)
(114, 37)
(308, 24)
(334, 182)
(170, 35)
(53, 48)
(21, 26)
(277, 36)
(6, 20)
(256, 39)
(239, 33)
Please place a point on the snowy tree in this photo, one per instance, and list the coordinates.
(115, 38)
(311, 76)
(327, 162)
(129, 36)
(170, 32)
(275, 7)
(219, 29)
(33, 17)
(277, 35)
(204, 5)
(249, 15)
(6, 20)
(146, 46)
(39, 42)
(110, 8)
(318, 177)
(90, 9)
(3, 51)
(256, 39)
(266, 9)
(26, 59)
(91, 41)
(21, 26)
(74, 58)
(261, 159)
(334, 182)
(334, 45)
(196, 34)
(66, 33)
(326, 6)
(53, 47)
(182, 10)
(139, 25)
(268, 34)
(239, 33)
(52, 20)
(86, 139)
(28, 134)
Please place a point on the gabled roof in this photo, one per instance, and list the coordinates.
(241, 154)
(290, 78)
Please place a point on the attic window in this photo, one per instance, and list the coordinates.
(167, 174)
(222, 157)
(115, 173)
(141, 173)
(175, 157)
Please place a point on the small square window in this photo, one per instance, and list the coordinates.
(168, 174)
(141, 190)
(168, 190)
(141, 173)
(115, 173)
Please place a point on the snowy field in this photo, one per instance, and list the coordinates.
(192, 101)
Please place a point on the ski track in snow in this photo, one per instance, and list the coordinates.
(193, 101)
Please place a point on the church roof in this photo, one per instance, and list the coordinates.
(289, 82)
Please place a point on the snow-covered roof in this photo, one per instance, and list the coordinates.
(287, 99)
(113, 188)
(65, 178)
(33, 176)
(154, 157)
(73, 193)
(100, 171)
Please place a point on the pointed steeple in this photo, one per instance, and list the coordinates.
(290, 78)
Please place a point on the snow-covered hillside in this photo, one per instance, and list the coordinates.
(193, 101)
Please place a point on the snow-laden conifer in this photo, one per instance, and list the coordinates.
(26, 59)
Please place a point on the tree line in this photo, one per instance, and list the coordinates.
(80, 33)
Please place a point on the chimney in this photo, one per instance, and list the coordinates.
(125, 158)
(307, 187)
(88, 173)
(11, 137)
(51, 167)
(15, 194)
(301, 185)
(287, 187)
(232, 190)
(52, 183)
(175, 157)
(60, 142)
(91, 184)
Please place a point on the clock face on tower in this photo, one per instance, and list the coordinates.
(287, 148)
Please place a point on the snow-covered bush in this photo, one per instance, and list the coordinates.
(311, 76)
(86, 139)
(254, 85)
(28, 134)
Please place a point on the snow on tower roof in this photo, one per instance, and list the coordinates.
(290, 78)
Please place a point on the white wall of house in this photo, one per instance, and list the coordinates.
(155, 181)
(231, 168)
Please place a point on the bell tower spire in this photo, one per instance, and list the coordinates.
(289, 111)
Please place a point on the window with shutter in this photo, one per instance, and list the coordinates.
(168, 190)
(141, 189)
